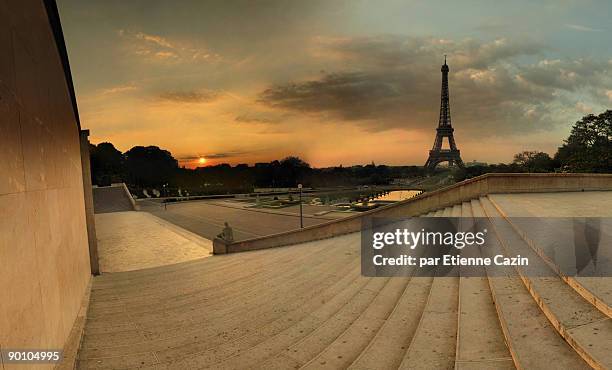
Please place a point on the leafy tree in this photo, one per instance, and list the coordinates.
(589, 145)
(107, 164)
(293, 171)
(534, 161)
(150, 166)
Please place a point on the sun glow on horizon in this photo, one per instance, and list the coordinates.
(202, 160)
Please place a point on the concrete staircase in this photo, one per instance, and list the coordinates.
(112, 199)
(536, 306)
(307, 306)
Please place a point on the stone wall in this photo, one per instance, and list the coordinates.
(89, 203)
(429, 201)
(44, 259)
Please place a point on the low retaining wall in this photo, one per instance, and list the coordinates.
(463, 191)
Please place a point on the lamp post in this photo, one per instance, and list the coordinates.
(301, 214)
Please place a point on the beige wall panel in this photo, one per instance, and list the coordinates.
(21, 308)
(43, 235)
(11, 165)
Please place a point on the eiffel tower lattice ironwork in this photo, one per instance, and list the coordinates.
(444, 130)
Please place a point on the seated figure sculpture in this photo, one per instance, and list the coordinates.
(227, 234)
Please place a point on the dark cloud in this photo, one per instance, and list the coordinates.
(230, 154)
(224, 155)
(353, 95)
(189, 96)
(394, 82)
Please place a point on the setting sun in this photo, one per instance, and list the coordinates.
(202, 160)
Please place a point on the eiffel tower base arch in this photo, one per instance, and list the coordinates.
(453, 158)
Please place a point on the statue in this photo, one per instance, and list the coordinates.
(227, 234)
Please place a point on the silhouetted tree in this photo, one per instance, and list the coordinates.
(589, 145)
(534, 161)
(150, 166)
(293, 171)
(107, 164)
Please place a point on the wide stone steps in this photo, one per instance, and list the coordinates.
(597, 290)
(111, 199)
(480, 340)
(584, 327)
(433, 345)
(189, 327)
(350, 343)
(573, 319)
(524, 324)
(386, 350)
(307, 306)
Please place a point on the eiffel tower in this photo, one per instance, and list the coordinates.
(444, 130)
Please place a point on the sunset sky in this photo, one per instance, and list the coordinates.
(336, 82)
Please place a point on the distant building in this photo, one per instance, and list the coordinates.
(475, 163)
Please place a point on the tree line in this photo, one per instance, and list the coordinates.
(152, 167)
(587, 149)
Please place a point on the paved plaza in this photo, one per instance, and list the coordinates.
(206, 218)
(137, 240)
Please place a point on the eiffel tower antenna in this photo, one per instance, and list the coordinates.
(444, 130)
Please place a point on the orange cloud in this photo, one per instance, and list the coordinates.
(156, 47)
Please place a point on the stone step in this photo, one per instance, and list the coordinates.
(439, 213)
(466, 210)
(200, 269)
(111, 199)
(265, 343)
(203, 271)
(261, 342)
(171, 328)
(197, 286)
(208, 331)
(584, 327)
(273, 348)
(543, 240)
(233, 289)
(326, 332)
(347, 347)
(160, 274)
(530, 337)
(480, 340)
(204, 344)
(387, 348)
(456, 210)
(343, 349)
(433, 344)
